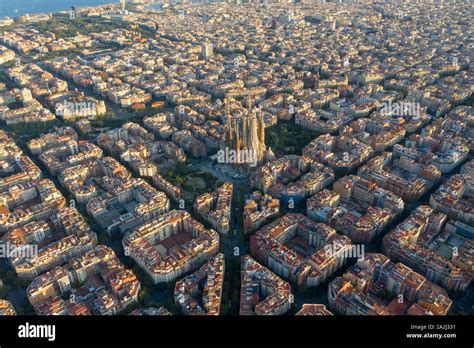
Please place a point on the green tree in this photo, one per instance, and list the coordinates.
(179, 180)
(144, 296)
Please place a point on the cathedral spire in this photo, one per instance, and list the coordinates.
(229, 124)
(249, 105)
(237, 135)
(261, 133)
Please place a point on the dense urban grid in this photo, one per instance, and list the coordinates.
(238, 158)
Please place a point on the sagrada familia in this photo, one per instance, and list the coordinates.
(246, 136)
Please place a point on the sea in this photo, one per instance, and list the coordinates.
(15, 8)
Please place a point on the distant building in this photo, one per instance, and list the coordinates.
(207, 50)
(26, 96)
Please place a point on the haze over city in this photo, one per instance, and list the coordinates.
(237, 158)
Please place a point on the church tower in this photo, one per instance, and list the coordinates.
(229, 124)
(237, 141)
(261, 134)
